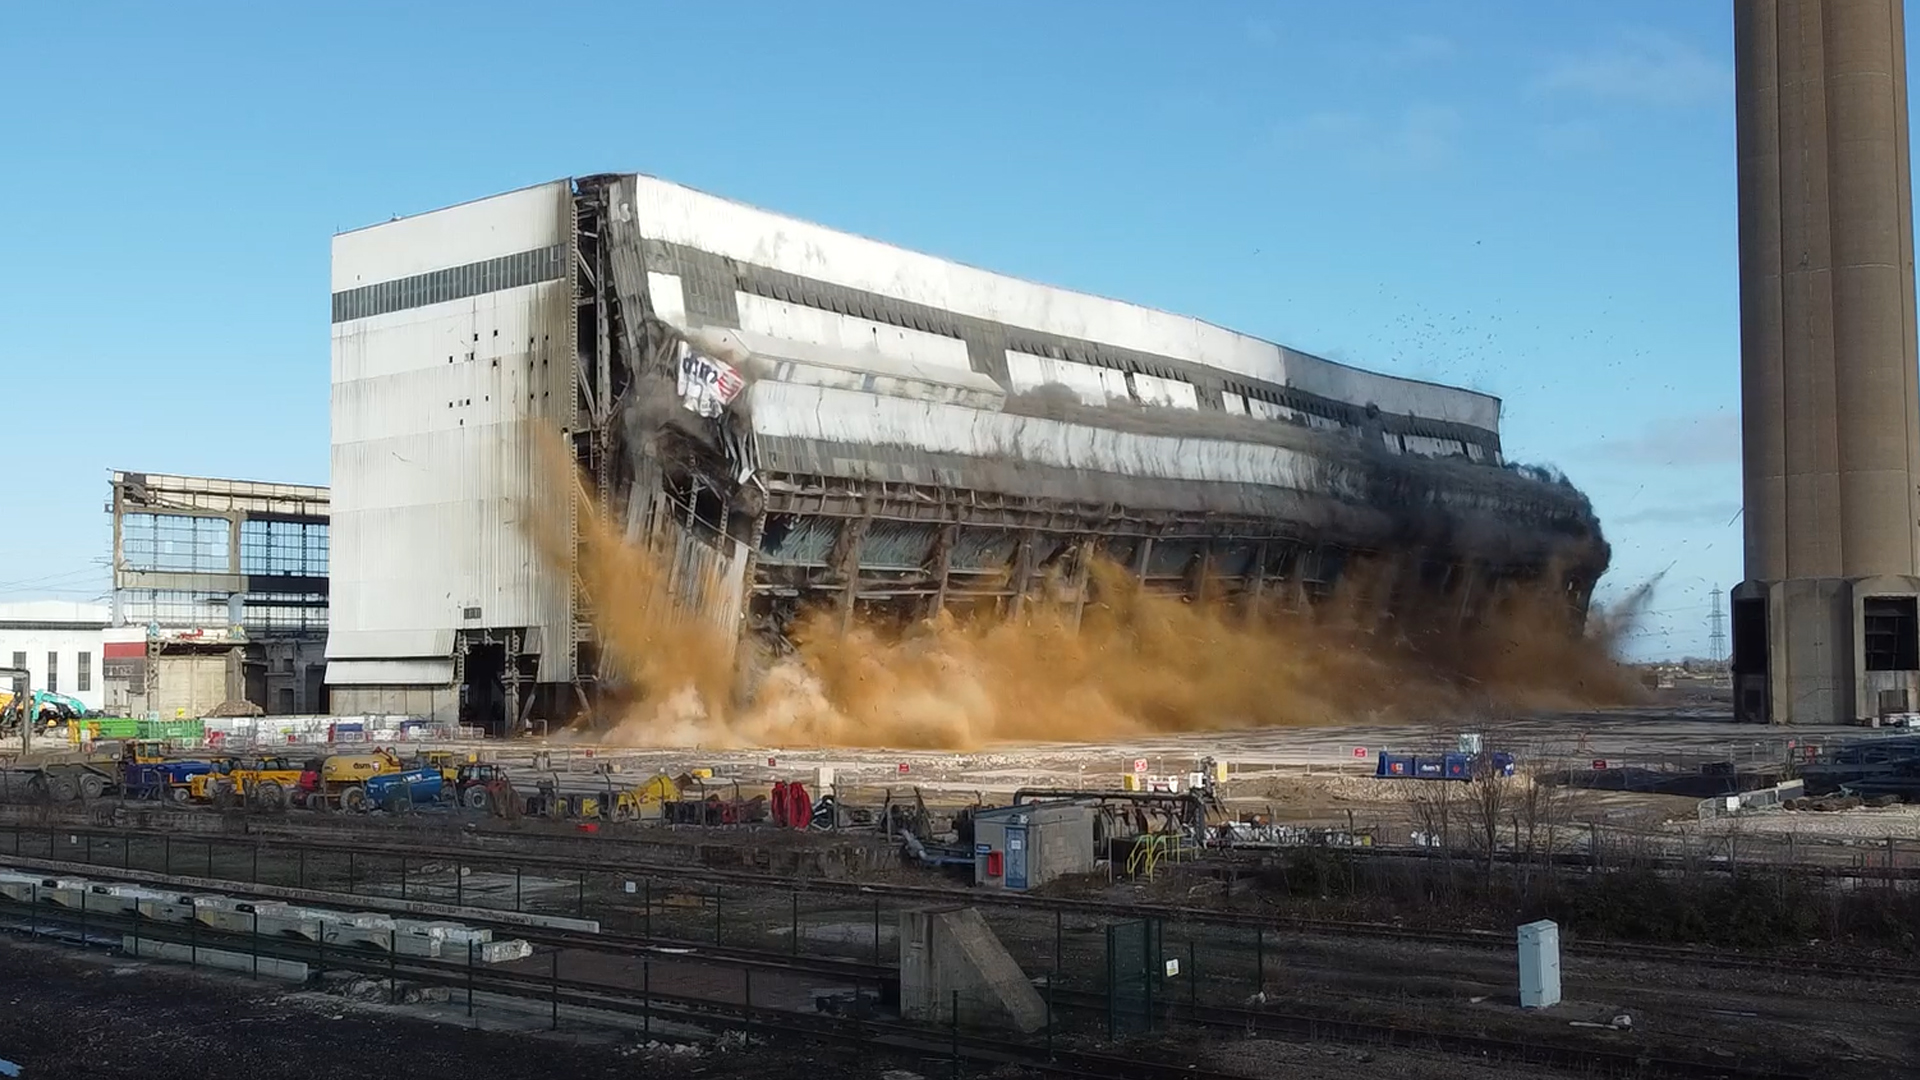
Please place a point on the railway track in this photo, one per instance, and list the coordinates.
(608, 942)
(485, 855)
(646, 1004)
(1052, 1057)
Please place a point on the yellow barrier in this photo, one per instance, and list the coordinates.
(1149, 849)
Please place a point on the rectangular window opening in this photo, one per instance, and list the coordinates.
(1891, 626)
(1750, 636)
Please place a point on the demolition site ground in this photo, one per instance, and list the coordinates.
(1769, 943)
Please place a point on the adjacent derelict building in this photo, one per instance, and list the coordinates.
(804, 418)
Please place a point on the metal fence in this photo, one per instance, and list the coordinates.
(804, 919)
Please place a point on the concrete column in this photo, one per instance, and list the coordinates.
(1812, 450)
(1202, 573)
(1257, 582)
(1022, 578)
(236, 603)
(119, 555)
(1873, 302)
(853, 537)
(1082, 572)
(1762, 376)
(942, 566)
(1141, 556)
(1829, 395)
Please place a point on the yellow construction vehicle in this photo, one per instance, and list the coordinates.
(342, 778)
(611, 804)
(263, 782)
(660, 789)
(628, 803)
(203, 787)
(355, 768)
(448, 762)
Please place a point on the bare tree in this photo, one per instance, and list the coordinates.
(1431, 804)
(1490, 798)
(1545, 805)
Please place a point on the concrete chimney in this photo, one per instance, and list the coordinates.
(1825, 627)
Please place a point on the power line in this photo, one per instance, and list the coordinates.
(63, 586)
(1717, 630)
(43, 579)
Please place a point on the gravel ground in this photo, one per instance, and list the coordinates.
(1864, 823)
(1266, 1059)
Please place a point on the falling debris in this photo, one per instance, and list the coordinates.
(1126, 661)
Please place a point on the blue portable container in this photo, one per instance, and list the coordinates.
(160, 779)
(1448, 766)
(414, 785)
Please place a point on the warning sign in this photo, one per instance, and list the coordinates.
(1359, 752)
(903, 768)
(1140, 765)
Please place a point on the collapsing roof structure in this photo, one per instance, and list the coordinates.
(803, 418)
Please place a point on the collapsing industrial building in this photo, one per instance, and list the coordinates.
(805, 419)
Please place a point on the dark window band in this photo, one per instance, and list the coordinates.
(453, 283)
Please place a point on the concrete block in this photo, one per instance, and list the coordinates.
(112, 899)
(270, 918)
(500, 952)
(428, 948)
(20, 888)
(129, 898)
(370, 921)
(235, 916)
(38, 869)
(293, 971)
(292, 922)
(453, 934)
(168, 909)
(374, 931)
(66, 892)
(359, 929)
(944, 951)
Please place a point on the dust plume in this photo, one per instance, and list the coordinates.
(1127, 661)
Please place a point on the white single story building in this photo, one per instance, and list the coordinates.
(60, 642)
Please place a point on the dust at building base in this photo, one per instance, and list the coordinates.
(800, 420)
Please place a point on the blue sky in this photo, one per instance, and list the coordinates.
(1532, 199)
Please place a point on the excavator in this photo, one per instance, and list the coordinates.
(50, 710)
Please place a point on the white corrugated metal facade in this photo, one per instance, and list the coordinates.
(454, 330)
(681, 215)
(433, 460)
(826, 414)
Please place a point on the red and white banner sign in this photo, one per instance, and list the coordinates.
(706, 385)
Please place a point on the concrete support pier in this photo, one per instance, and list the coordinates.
(950, 955)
